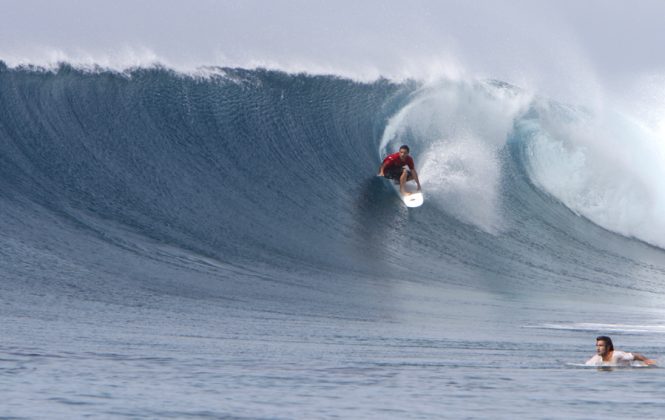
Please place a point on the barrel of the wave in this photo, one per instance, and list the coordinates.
(400, 169)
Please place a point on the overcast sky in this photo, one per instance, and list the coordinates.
(560, 45)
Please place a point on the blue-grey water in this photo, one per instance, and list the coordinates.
(176, 246)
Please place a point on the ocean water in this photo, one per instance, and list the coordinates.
(218, 246)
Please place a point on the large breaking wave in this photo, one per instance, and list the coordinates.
(263, 168)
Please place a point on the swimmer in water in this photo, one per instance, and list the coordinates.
(607, 356)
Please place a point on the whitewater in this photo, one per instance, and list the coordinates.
(218, 245)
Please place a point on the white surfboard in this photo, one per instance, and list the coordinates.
(634, 365)
(415, 199)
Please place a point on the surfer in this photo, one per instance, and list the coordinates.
(400, 166)
(607, 356)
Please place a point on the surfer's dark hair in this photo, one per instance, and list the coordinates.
(607, 341)
(404, 146)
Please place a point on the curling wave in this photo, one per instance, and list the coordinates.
(273, 169)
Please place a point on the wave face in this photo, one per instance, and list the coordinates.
(239, 166)
(266, 169)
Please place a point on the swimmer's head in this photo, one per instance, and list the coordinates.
(604, 345)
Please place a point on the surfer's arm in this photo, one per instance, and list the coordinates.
(415, 177)
(643, 359)
(382, 168)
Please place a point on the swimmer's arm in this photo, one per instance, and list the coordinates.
(643, 359)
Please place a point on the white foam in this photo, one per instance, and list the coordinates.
(456, 130)
(128, 58)
(50, 58)
(645, 99)
(605, 166)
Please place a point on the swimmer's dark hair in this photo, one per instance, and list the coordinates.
(404, 146)
(607, 341)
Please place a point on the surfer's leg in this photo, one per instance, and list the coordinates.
(393, 175)
(402, 182)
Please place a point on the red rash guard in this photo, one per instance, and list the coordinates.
(394, 160)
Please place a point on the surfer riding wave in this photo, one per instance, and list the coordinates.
(400, 166)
